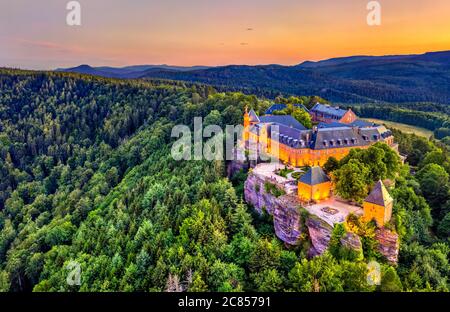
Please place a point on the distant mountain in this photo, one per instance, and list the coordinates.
(391, 78)
(128, 72)
(440, 57)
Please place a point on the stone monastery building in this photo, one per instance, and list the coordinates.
(336, 134)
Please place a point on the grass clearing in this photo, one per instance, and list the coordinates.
(402, 127)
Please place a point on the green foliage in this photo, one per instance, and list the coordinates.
(413, 146)
(444, 226)
(424, 118)
(271, 188)
(331, 164)
(434, 183)
(225, 277)
(351, 181)
(412, 215)
(390, 282)
(357, 171)
(324, 274)
(424, 268)
(268, 280)
(86, 175)
(284, 172)
(298, 113)
(340, 251)
(198, 285)
(319, 274)
(307, 101)
(238, 180)
(266, 255)
(335, 240)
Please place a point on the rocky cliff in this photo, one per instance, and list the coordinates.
(351, 241)
(319, 233)
(284, 209)
(289, 225)
(388, 244)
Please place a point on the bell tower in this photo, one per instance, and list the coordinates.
(246, 124)
(246, 118)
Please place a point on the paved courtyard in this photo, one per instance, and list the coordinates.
(336, 214)
(267, 170)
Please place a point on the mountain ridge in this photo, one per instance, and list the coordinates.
(390, 78)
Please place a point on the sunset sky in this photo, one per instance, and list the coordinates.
(34, 34)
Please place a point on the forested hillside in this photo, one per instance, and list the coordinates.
(86, 175)
(354, 79)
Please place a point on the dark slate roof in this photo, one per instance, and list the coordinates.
(253, 116)
(328, 110)
(277, 107)
(362, 123)
(286, 120)
(379, 195)
(337, 137)
(314, 176)
(282, 129)
(322, 138)
(333, 124)
(357, 123)
(290, 136)
(375, 134)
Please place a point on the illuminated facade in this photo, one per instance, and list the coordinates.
(283, 137)
(378, 205)
(314, 185)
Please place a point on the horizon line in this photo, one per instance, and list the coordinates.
(229, 64)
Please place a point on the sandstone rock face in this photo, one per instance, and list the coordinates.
(288, 222)
(319, 234)
(284, 209)
(388, 244)
(352, 241)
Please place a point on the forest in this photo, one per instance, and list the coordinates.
(427, 117)
(86, 176)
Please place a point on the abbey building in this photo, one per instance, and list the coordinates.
(337, 132)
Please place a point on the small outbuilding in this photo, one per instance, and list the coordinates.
(314, 185)
(378, 205)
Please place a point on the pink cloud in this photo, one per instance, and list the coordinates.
(47, 45)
